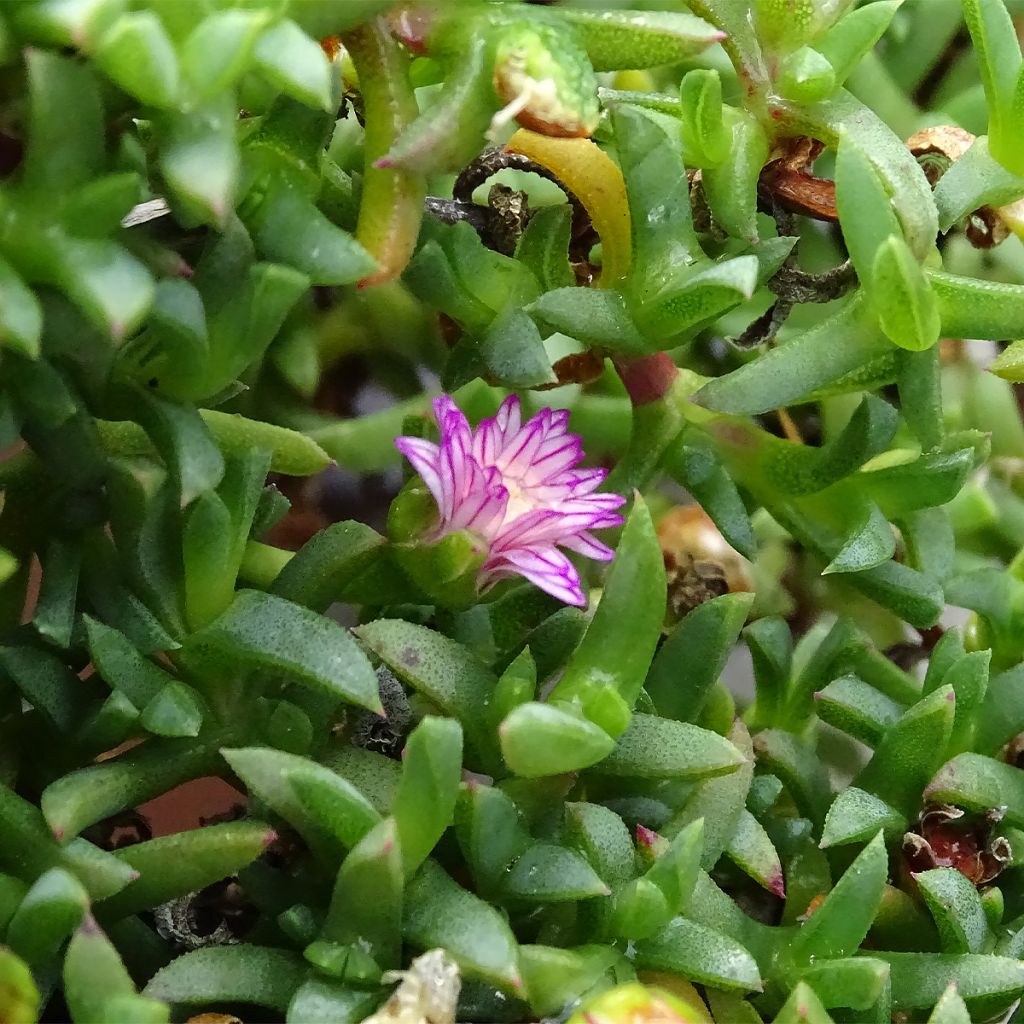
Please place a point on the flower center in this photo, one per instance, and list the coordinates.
(519, 502)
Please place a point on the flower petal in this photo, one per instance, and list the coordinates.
(424, 457)
(588, 546)
(550, 570)
(508, 418)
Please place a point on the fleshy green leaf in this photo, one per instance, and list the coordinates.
(255, 975)
(272, 634)
(438, 912)
(957, 909)
(700, 954)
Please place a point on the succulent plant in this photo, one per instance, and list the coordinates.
(329, 331)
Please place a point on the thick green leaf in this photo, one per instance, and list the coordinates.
(491, 835)
(438, 912)
(838, 926)
(986, 983)
(287, 227)
(138, 55)
(978, 783)
(200, 161)
(98, 987)
(445, 672)
(19, 997)
(802, 1005)
(975, 308)
(972, 181)
(700, 954)
(366, 905)
(957, 909)
(122, 666)
(47, 684)
(555, 978)
(607, 670)
(51, 910)
(296, 64)
(513, 351)
(659, 748)
(689, 662)
(328, 811)
(852, 982)
(30, 849)
(999, 62)
(907, 310)
(751, 849)
(950, 1009)
(219, 48)
(850, 704)
(704, 134)
(21, 318)
(267, 633)
(598, 316)
(639, 39)
(856, 816)
(425, 799)
(719, 801)
(854, 35)
(254, 975)
(795, 761)
(543, 249)
(97, 791)
(320, 1000)
(701, 472)
(550, 739)
(185, 862)
(910, 751)
(842, 348)
(546, 873)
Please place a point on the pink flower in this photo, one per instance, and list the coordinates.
(515, 486)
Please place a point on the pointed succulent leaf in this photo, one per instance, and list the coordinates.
(547, 873)
(689, 662)
(607, 670)
(556, 978)
(551, 739)
(854, 707)
(979, 783)
(719, 801)
(751, 850)
(699, 954)
(602, 837)
(425, 799)
(851, 982)
(838, 926)
(97, 985)
(639, 39)
(366, 905)
(171, 866)
(438, 912)
(984, 982)
(272, 634)
(855, 816)
(654, 747)
(956, 906)
(950, 1009)
(250, 974)
(598, 316)
(910, 751)
(492, 836)
(854, 35)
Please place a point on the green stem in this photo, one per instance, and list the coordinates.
(262, 564)
(392, 204)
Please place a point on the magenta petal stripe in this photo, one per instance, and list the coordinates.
(516, 487)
